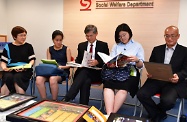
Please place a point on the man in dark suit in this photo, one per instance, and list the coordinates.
(169, 53)
(85, 76)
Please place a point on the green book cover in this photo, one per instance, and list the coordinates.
(47, 61)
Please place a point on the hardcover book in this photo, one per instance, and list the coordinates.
(94, 115)
(25, 66)
(119, 60)
(47, 61)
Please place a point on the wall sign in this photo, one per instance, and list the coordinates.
(116, 4)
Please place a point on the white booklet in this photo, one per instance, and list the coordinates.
(86, 58)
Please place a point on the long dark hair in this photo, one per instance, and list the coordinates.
(122, 27)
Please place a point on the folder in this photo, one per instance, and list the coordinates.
(159, 71)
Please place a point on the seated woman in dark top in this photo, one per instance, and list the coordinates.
(61, 54)
(16, 53)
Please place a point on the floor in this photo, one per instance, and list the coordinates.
(125, 109)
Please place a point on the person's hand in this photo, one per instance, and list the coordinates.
(7, 69)
(132, 59)
(92, 62)
(149, 75)
(20, 70)
(175, 78)
(111, 65)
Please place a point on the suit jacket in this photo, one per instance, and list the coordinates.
(178, 62)
(100, 47)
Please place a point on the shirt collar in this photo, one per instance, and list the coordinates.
(92, 43)
(171, 47)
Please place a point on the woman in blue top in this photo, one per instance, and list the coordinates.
(134, 51)
(62, 55)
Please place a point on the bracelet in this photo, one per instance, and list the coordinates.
(138, 61)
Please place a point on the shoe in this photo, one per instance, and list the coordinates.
(65, 100)
(160, 117)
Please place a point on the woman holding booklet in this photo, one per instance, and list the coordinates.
(62, 55)
(134, 56)
(15, 58)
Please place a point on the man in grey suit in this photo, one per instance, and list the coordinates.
(85, 76)
(169, 53)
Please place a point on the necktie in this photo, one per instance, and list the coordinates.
(91, 48)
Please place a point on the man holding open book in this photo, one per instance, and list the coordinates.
(169, 53)
(85, 76)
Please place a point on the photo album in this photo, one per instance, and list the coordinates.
(49, 111)
(120, 60)
(13, 100)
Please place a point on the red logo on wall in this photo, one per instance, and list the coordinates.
(86, 5)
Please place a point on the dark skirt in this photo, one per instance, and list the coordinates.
(21, 78)
(130, 85)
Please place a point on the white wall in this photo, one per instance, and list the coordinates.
(42, 17)
(39, 17)
(183, 22)
(3, 17)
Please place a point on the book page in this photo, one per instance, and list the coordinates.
(86, 58)
(73, 64)
(104, 57)
(119, 60)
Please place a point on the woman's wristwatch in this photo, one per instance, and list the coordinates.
(138, 61)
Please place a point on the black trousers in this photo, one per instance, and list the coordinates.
(82, 82)
(21, 78)
(168, 96)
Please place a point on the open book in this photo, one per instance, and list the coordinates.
(120, 60)
(86, 58)
(94, 115)
(25, 66)
(47, 61)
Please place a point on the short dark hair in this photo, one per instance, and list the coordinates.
(89, 28)
(122, 27)
(17, 30)
(56, 33)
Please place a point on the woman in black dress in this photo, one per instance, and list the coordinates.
(62, 55)
(16, 53)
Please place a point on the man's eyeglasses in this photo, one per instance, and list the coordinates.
(170, 36)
